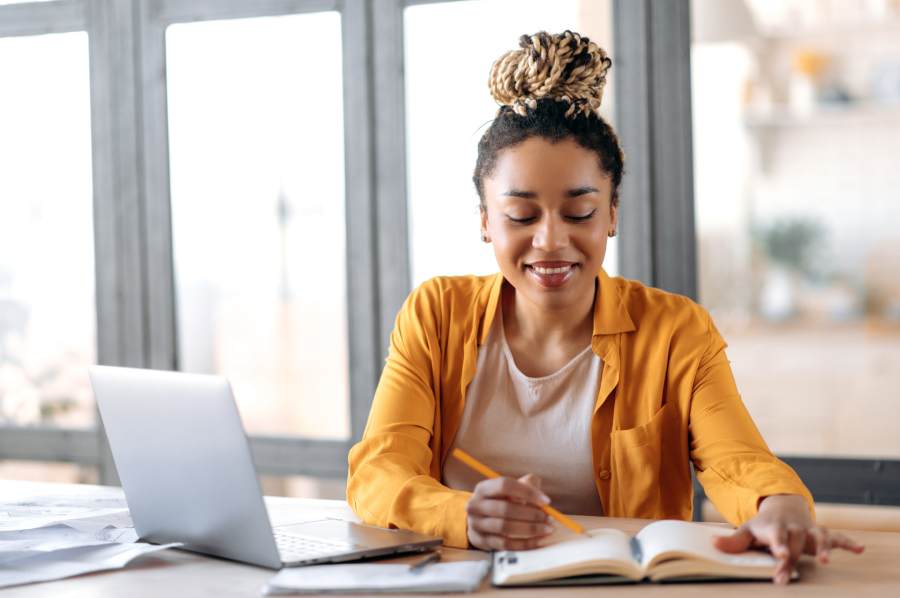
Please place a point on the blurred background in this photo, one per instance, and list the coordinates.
(796, 128)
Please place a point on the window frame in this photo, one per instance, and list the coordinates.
(136, 314)
(135, 283)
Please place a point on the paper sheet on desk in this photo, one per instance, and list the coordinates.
(80, 520)
(92, 499)
(87, 513)
(70, 562)
(26, 543)
(371, 578)
(43, 538)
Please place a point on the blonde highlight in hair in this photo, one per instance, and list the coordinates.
(566, 67)
(551, 87)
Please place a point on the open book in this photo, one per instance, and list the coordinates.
(663, 550)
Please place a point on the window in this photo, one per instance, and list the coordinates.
(47, 305)
(256, 142)
(242, 151)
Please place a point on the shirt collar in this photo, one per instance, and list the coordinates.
(610, 313)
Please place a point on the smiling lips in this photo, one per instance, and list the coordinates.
(551, 274)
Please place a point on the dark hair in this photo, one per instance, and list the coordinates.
(548, 120)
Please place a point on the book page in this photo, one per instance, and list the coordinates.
(667, 539)
(601, 551)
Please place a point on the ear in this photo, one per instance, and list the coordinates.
(485, 236)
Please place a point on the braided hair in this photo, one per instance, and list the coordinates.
(550, 88)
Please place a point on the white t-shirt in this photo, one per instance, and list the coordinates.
(516, 424)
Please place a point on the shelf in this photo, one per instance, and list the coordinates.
(833, 29)
(858, 113)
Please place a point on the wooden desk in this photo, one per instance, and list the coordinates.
(175, 573)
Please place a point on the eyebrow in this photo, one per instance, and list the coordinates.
(577, 191)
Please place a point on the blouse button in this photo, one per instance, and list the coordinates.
(604, 474)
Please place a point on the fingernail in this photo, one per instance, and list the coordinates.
(545, 498)
(548, 529)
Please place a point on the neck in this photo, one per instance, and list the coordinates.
(541, 326)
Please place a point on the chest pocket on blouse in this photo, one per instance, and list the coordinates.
(651, 468)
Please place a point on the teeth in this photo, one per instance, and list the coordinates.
(561, 270)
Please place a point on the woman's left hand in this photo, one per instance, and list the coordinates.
(785, 525)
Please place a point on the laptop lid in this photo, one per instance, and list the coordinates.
(184, 462)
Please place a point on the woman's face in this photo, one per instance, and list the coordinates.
(548, 213)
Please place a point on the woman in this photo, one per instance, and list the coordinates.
(594, 392)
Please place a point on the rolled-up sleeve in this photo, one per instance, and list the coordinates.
(390, 480)
(733, 463)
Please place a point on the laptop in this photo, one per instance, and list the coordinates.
(188, 476)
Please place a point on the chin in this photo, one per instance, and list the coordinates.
(553, 298)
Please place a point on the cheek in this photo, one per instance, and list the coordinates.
(509, 243)
(593, 242)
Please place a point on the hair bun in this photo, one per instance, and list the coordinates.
(564, 66)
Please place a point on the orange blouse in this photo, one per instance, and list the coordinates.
(667, 399)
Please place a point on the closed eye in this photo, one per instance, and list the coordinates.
(528, 220)
(572, 218)
(582, 218)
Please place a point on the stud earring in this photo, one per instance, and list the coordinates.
(484, 237)
(611, 233)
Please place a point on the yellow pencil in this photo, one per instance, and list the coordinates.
(490, 473)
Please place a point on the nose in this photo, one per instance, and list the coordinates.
(550, 235)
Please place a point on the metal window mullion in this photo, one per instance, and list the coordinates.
(39, 18)
(153, 132)
(632, 91)
(47, 443)
(181, 11)
(272, 455)
(118, 209)
(652, 61)
(675, 266)
(394, 276)
(359, 172)
(300, 456)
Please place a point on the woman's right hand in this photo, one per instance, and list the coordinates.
(505, 514)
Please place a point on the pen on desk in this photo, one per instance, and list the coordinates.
(490, 473)
(431, 557)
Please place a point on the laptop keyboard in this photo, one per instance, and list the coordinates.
(294, 547)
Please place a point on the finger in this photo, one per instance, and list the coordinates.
(509, 528)
(739, 541)
(532, 480)
(504, 509)
(818, 544)
(796, 542)
(778, 542)
(492, 542)
(484, 542)
(839, 540)
(504, 487)
(782, 574)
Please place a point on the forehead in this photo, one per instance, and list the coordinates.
(538, 163)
